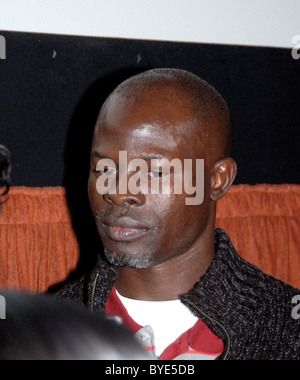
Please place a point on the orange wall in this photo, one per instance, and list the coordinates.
(39, 248)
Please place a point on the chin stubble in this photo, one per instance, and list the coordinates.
(128, 260)
(124, 260)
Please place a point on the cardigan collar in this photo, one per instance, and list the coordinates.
(225, 298)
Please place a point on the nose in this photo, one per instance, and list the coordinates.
(122, 200)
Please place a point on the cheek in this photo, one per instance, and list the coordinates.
(182, 224)
(94, 197)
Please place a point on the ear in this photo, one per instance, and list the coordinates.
(223, 174)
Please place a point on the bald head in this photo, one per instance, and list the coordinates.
(168, 125)
(207, 119)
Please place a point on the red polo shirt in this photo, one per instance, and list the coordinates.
(198, 343)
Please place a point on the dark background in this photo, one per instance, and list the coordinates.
(52, 88)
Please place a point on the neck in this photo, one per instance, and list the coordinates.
(169, 280)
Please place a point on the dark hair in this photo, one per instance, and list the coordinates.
(39, 327)
(5, 169)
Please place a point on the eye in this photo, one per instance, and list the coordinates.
(157, 174)
(107, 171)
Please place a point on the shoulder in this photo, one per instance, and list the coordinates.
(72, 292)
(255, 308)
(91, 289)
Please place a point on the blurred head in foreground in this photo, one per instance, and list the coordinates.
(41, 328)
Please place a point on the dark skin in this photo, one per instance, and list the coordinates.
(179, 240)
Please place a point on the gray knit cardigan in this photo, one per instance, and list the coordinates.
(250, 311)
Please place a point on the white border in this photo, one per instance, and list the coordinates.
(270, 23)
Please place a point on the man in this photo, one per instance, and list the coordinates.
(5, 168)
(174, 279)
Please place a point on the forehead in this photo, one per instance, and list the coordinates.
(158, 122)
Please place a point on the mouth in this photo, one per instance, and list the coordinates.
(124, 229)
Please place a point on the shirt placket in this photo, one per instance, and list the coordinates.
(146, 337)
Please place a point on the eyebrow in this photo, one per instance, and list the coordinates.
(154, 157)
(146, 158)
(98, 155)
